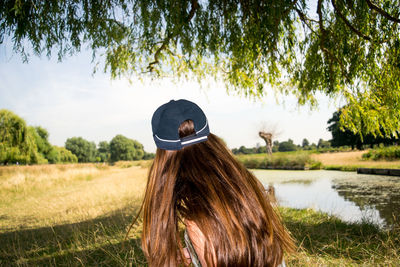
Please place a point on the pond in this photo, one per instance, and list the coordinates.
(347, 195)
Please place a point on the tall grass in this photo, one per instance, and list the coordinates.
(384, 153)
(283, 160)
(69, 214)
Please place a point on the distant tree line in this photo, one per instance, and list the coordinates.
(119, 148)
(284, 146)
(341, 137)
(23, 144)
(20, 143)
(345, 137)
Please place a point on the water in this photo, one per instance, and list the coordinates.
(350, 196)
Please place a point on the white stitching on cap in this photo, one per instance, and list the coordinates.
(185, 142)
(194, 140)
(165, 140)
(202, 128)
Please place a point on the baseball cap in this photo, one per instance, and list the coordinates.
(167, 119)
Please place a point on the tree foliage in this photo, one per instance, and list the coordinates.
(305, 143)
(123, 148)
(17, 143)
(84, 150)
(349, 49)
(41, 136)
(344, 137)
(61, 155)
(103, 151)
(323, 144)
(287, 146)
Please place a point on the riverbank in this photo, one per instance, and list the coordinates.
(77, 215)
(341, 161)
(297, 160)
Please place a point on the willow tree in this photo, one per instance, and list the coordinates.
(346, 49)
(17, 143)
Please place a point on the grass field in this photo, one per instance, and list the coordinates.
(77, 215)
(351, 161)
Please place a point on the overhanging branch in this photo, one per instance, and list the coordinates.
(382, 12)
(150, 67)
(330, 56)
(351, 27)
(305, 19)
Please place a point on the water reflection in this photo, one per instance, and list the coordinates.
(350, 196)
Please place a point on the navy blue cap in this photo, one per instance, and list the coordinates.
(167, 119)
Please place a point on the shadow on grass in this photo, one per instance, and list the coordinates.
(96, 242)
(99, 242)
(321, 235)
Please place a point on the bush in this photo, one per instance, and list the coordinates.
(287, 146)
(385, 153)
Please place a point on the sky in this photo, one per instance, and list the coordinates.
(69, 100)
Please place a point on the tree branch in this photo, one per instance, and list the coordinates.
(292, 5)
(382, 12)
(330, 56)
(150, 67)
(305, 19)
(340, 14)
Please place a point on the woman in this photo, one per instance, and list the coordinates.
(196, 183)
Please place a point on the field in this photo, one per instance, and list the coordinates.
(78, 215)
(351, 161)
(69, 215)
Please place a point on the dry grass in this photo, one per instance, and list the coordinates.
(352, 158)
(52, 194)
(71, 215)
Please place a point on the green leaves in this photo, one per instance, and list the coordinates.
(84, 150)
(346, 49)
(123, 148)
(17, 142)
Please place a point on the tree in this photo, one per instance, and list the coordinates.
(17, 143)
(267, 137)
(41, 139)
(267, 133)
(61, 155)
(342, 136)
(123, 148)
(103, 151)
(305, 143)
(287, 146)
(275, 146)
(323, 143)
(148, 155)
(84, 150)
(348, 49)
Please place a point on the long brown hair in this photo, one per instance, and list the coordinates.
(205, 184)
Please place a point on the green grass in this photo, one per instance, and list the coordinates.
(325, 240)
(344, 168)
(286, 160)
